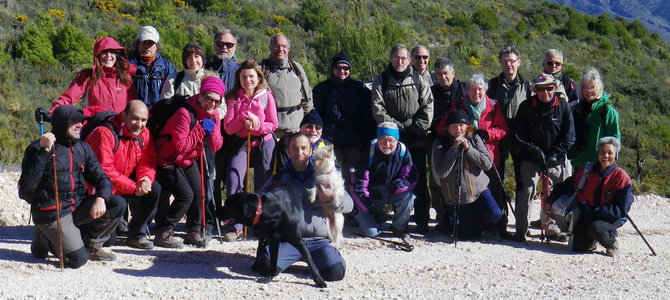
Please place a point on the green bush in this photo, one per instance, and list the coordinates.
(513, 38)
(637, 29)
(71, 46)
(486, 18)
(35, 46)
(462, 19)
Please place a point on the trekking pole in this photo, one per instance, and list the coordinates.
(58, 222)
(247, 184)
(641, 235)
(203, 221)
(459, 169)
(544, 217)
(502, 185)
(210, 195)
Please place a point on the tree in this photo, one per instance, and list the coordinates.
(71, 46)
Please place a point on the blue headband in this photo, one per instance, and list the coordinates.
(388, 131)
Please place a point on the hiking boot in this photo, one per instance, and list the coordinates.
(519, 237)
(536, 224)
(140, 243)
(560, 237)
(422, 228)
(491, 235)
(101, 255)
(37, 247)
(195, 238)
(613, 250)
(208, 235)
(402, 234)
(593, 246)
(165, 238)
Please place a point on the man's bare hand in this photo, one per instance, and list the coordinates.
(47, 141)
(99, 208)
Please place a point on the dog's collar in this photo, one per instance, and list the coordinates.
(259, 211)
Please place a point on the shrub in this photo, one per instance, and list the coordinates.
(486, 18)
(107, 5)
(637, 29)
(513, 38)
(35, 46)
(71, 46)
(461, 19)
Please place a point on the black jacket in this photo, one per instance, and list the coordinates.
(444, 101)
(76, 165)
(346, 110)
(547, 126)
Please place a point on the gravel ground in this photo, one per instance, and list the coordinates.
(436, 269)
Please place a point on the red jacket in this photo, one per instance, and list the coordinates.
(129, 158)
(184, 144)
(108, 92)
(492, 120)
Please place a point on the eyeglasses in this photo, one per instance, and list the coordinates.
(313, 126)
(209, 99)
(398, 58)
(342, 68)
(424, 57)
(226, 45)
(554, 63)
(509, 62)
(544, 89)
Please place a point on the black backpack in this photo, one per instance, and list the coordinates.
(163, 110)
(102, 119)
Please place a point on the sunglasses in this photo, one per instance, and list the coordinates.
(209, 99)
(226, 45)
(424, 57)
(553, 63)
(342, 68)
(544, 89)
(313, 126)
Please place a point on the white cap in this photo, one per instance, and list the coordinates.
(148, 33)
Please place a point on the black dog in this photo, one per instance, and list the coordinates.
(275, 217)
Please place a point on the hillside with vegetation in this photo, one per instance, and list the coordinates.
(45, 43)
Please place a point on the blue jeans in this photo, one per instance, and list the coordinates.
(484, 213)
(402, 206)
(328, 260)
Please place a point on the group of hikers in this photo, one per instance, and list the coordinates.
(165, 144)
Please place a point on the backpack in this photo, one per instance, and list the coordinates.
(373, 146)
(102, 119)
(164, 110)
(268, 67)
(415, 81)
(178, 80)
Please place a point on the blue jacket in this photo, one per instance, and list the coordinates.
(225, 68)
(149, 79)
(346, 110)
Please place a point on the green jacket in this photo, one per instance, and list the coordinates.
(591, 124)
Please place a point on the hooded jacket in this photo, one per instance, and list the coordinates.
(345, 107)
(190, 84)
(149, 79)
(476, 160)
(108, 92)
(135, 157)
(183, 145)
(407, 103)
(261, 104)
(76, 165)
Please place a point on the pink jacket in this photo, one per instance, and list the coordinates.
(262, 105)
(185, 144)
(108, 92)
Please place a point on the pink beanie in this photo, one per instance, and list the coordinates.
(212, 84)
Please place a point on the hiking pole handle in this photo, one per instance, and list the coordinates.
(653, 253)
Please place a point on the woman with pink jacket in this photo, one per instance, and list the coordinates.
(251, 111)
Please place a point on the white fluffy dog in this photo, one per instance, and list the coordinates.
(328, 176)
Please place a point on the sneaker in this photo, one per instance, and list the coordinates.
(613, 250)
(195, 238)
(101, 255)
(165, 238)
(140, 243)
(535, 224)
(560, 237)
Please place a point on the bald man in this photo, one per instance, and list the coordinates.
(126, 153)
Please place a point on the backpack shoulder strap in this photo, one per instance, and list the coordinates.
(300, 76)
(585, 175)
(178, 80)
(385, 82)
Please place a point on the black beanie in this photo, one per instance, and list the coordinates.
(457, 116)
(340, 58)
(185, 54)
(312, 118)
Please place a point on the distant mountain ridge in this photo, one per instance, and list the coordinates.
(655, 14)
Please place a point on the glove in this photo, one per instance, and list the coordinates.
(536, 156)
(483, 134)
(378, 213)
(207, 125)
(552, 160)
(42, 115)
(379, 192)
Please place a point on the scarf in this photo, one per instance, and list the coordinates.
(399, 75)
(475, 111)
(148, 59)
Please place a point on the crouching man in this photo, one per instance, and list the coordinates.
(384, 175)
(128, 157)
(96, 214)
